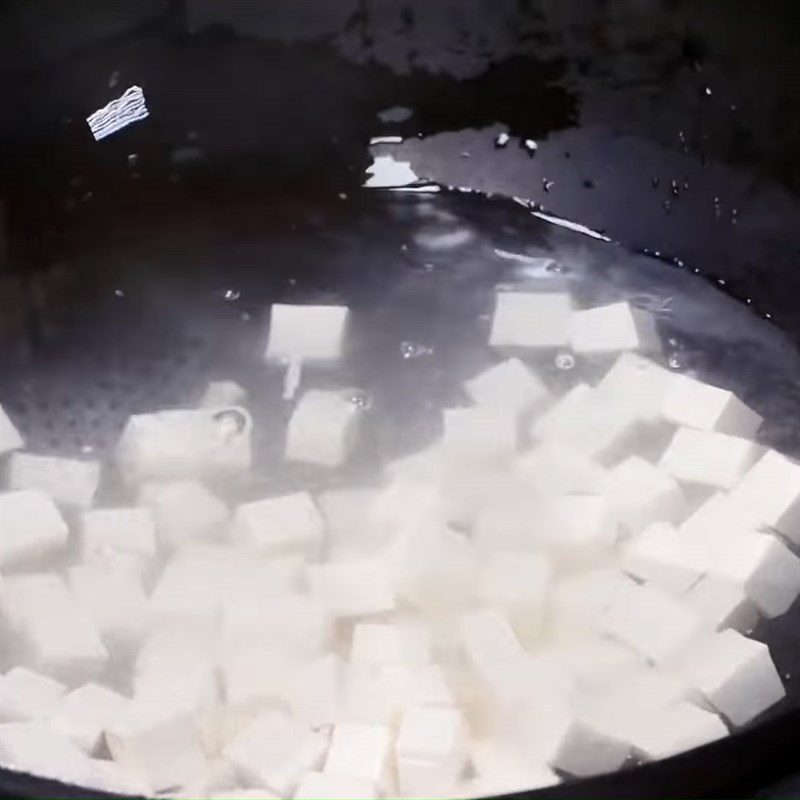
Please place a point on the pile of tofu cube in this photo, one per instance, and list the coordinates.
(554, 586)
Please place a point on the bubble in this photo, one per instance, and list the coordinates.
(409, 350)
(119, 293)
(360, 399)
(502, 140)
(565, 361)
(674, 361)
(232, 294)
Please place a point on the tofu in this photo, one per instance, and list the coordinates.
(111, 534)
(279, 525)
(69, 482)
(86, 712)
(509, 385)
(722, 604)
(183, 511)
(33, 528)
(334, 787)
(612, 328)
(652, 622)
(352, 588)
(310, 333)
(376, 643)
(675, 729)
(531, 320)
(276, 751)
(641, 494)
(257, 674)
(361, 751)
(768, 494)
(582, 527)
(34, 748)
(708, 458)
(108, 776)
(638, 383)
(431, 751)
(690, 403)
(258, 793)
(10, 438)
(480, 433)
(323, 429)
(503, 519)
(555, 468)
(353, 524)
(219, 394)
(316, 691)
(28, 696)
(499, 769)
(417, 685)
(733, 675)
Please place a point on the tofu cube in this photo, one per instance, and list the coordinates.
(183, 511)
(652, 622)
(257, 793)
(531, 320)
(480, 433)
(69, 482)
(86, 712)
(287, 524)
(499, 769)
(611, 328)
(323, 429)
(733, 675)
(640, 494)
(109, 534)
(28, 696)
(375, 643)
(179, 444)
(33, 528)
(316, 691)
(769, 495)
(708, 458)
(431, 751)
(108, 776)
(36, 749)
(311, 333)
(367, 697)
(219, 394)
(353, 525)
(10, 437)
(722, 604)
(256, 674)
(276, 751)
(690, 403)
(420, 685)
(582, 527)
(352, 588)
(555, 468)
(638, 383)
(158, 739)
(509, 385)
(361, 751)
(334, 787)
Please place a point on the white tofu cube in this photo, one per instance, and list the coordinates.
(256, 674)
(354, 524)
(159, 740)
(86, 712)
(114, 599)
(690, 403)
(352, 588)
(316, 691)
(531, 320)
(611, 328)
(276, 751)
(219, 394)
(287, 524)
(361, 751)
(722, 604)
(334, 787)
(501, 770)
(311, 333)
(10, 437)
(185, 443)
(34, 748)
(769, 495)
(583, 526)
(708, 458)
(431, 750)
(652, 622)
(322, 429)
(480, 433)
(70, 482)
(419, 685)
(375, 643)
(555, 468)
(733, 675)
(257, 793)
(108, 776)
(638, 383)
(110, 532)
(509, 385)
(33, 528)
(28, 696)
(714, 519)
(640, 494)
(366, 695)
(183, 511)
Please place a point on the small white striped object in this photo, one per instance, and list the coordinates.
(128, 108)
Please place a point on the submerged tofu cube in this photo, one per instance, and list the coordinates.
(334, 787)
(286, 524)
(310, 333)
(509, 385)
(322, 429)
(708, 458)
(611, 328)
(110, 532)
(28, 696)
(361, 751)
(582, 527)
(691, 403)
(376, 643)
(638, 383)
(479, 434)
(256, 674)
(10, 437)
(86, 713)
(33, 528)
(219, 394)
(316, 691)
(501, 769)
(419, 685)
(555, 468)
(352, 588)
(733, 675)
(70, 482)
(34, 748)
(183, 511)
(769, 495)
(276, 751)
(722, 604)
(531, 320)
